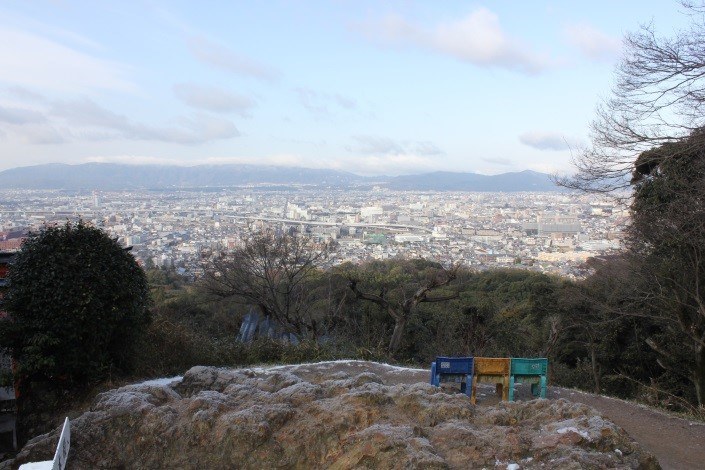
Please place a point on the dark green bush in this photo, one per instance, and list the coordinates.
(77, 303)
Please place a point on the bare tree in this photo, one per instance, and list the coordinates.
(658, 97)
(649, 136)
(401, 299)
(277, 274)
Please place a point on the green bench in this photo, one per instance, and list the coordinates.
(533, 371)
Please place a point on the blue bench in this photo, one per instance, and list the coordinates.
(453, 369)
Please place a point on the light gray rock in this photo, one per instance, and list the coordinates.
(258, 418)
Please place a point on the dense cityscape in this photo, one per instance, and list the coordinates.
(546, 232)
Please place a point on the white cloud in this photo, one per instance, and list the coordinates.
(194, 129)
(345, 102)
(12, 115)
(498, 161)
(29, 60)
(27, 125)
(276, 160)
(391, 165)
(213, 99)
(27, 23)
(592, 42)
(39, 134)
(375, 145)
(312, 100)
(423, 148)
(477, 38)
(224, 58)
(24, 95)
(133, 160)
(85, 120)
(319, 103)
(85, 112)
(379, 145)
(549, 141)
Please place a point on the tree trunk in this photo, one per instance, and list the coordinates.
(595, 368)
(397, 334)
(699, 374)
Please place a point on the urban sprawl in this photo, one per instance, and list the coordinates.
(547, 232)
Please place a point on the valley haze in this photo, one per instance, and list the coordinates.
(112, 176)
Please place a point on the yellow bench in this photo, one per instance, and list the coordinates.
(492, 370)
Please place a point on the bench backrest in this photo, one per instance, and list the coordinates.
(492, 365)
(454, 365)
(524, 366)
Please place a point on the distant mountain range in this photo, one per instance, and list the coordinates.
(112, 176)
(449, 181)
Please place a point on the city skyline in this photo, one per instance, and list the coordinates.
(374, 88)
(539, 231)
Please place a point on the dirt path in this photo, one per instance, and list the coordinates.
(678, 444)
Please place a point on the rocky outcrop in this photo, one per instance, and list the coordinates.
(320, 417)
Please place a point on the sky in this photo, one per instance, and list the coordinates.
(371, 87)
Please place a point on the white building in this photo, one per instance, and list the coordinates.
(409, 237)
(371, 211)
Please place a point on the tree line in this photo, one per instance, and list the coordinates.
(608, 333)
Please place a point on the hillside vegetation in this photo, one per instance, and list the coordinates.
(505, 313)
(586, 329)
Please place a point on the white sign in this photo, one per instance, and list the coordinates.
(60, 456)
(62, 449)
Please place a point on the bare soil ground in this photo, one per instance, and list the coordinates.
(678, 444)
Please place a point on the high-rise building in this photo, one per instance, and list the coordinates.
(553, 224)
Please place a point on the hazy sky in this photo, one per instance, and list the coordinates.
(365, 86)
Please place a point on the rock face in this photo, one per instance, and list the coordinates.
(320, 417)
